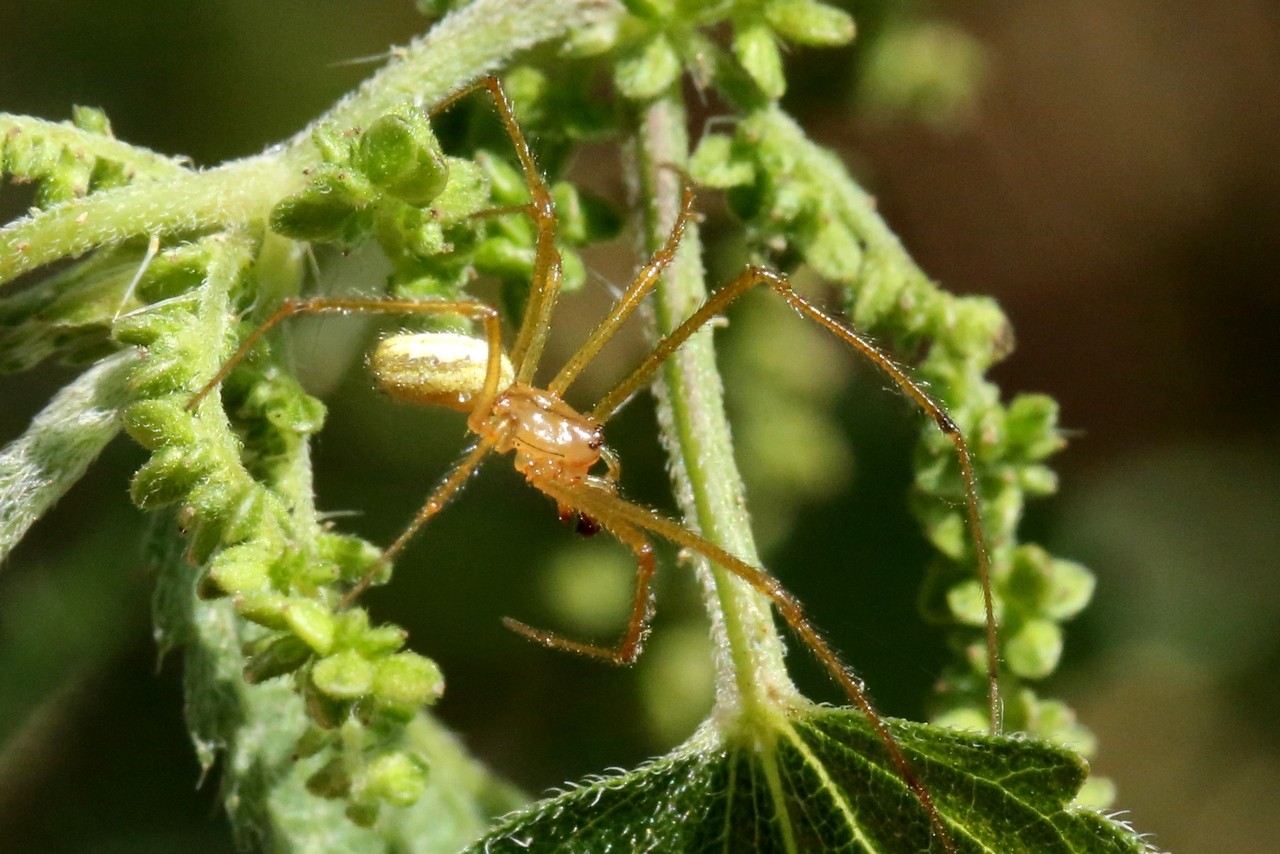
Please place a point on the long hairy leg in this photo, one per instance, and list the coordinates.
(750, 278)
(629, 646)
(547, 276)
(440, 496)
(613, 511)
(640, 287)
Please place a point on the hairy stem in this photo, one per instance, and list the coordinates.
(464, 46)
(695, 429)
(468, 43)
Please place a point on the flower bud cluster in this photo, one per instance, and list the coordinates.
(232, 468)
(802, 207)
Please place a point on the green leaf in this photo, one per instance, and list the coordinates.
(820, 780)
(40, 466)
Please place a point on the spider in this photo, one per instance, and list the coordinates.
(561, 451)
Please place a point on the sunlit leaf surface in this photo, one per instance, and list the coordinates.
(820, 781)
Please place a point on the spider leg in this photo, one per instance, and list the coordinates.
(440, 496)
(628, 648)
(750, 278)
(626, 304)
(547, 274)
(616, 513)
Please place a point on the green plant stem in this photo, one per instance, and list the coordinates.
(473, 41)
(464, 46)
(236, 193)
(750, 670)
(140, 163)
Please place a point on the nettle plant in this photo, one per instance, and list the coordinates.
(312, 708)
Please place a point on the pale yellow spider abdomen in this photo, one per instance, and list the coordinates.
(441, 368)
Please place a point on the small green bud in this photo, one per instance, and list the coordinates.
(879, 291)
(589, 40)
(90, 119)
(400, 155)
(834, 250)
(979, 326)
(426, 238)
(242, 569)
(528, 88)
(163, 371)
(506, 181)
(380, 641)
(167, 476)
(344, 675)
(351, 555)
(946, 529)
(309, 574)
(1034, 650)
(968, 605)
(1070, 589)
(22, 155)
(297, 412)
(1057, 721)
(717, 163)
(277, 657)
(333, 144)
(647, 72)
(792, 200)
(329, 209)
(243, 511)
(568, 202)
(171, 274)
(755, 48)
(397, 778)
(264, 608)
(1096, 793)
(214, 498)
(312, 622)
(466, 192)
(1038, 480)
(69, 180)
(1028, 580)
(504, 258)
(159, 421)
(406, 681)
(144, 328)
(1031, 426)
(809, 23)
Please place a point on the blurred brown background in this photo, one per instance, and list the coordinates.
(1116, 186)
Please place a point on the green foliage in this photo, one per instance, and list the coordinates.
(318, 710)
(813, 780)
(802, 206)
